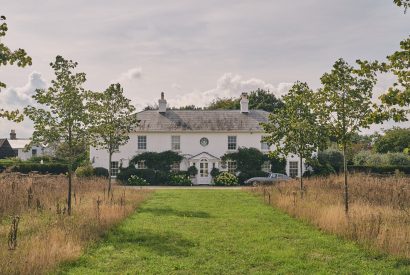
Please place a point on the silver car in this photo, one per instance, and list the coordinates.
(271, 178)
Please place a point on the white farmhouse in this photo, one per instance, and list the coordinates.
(202, 137)
(20, 151)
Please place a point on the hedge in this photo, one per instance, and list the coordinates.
(46, 168)
(391, 169)
(153, 177)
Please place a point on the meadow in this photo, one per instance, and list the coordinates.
(46, 235)
(379, 216)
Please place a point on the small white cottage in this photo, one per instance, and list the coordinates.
(200, 136)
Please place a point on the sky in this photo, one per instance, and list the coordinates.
(194, 51)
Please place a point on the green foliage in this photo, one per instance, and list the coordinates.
(368, 158)
(258, 100)
(112, 118)
(158, 161)
(101, 172)
(332, 157)
(226, 179)
(134, 180)
(192, 171)
(84, 171)
(278, 164)
(247, 159)
(46, 168)
(243, 176)
(215, 172)
(393, 140)
(402, 3)
(9, 57)
(224, 104)
(294, 128)
(390, 169)
(179, 179)
(62, 116)
(318, 168)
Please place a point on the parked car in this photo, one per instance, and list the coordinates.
(271, 178)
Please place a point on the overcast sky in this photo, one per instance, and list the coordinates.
(194, 51)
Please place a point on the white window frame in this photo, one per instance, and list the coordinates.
(293, 169)
(175, 167)
(115, 168)
(176, 143)
(142, 142)
(231, 166)
(232, 143)
(141, 164)
(264, 145)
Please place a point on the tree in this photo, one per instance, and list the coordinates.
(224, 104)
(402, 3)
(9, 57)
(393, 140)
(258, 100)
(64, 119)
(345, 104)
(397, 98)
(112, 118)
(294, 128)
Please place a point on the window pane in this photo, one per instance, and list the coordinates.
(231, 166)
(266, 166)
(175, 142)
(114, 168)
(231, 142)
(142, 142)
(293, 169)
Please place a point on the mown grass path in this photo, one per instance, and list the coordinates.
(222, 232)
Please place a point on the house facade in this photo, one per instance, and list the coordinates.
(18, 146)
(202, 137)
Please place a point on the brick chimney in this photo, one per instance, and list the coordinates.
(244, 103)
(13, 135)
(162, 104)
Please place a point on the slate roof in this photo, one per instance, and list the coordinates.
(201, 121)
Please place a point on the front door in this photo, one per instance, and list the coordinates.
(204, 176)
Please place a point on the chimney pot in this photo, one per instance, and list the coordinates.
(162, 104)
(13, 135)
(244, 103)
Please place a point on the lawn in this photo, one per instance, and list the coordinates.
(223, 232)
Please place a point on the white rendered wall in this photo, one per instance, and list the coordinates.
(159, 142)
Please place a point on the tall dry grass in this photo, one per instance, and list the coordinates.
(379, 215)
(46, 235)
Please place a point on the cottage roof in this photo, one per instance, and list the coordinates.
(201, 121)
(19, 143)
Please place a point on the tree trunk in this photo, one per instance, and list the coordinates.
(69, 189)
(301, 174)
(109, 172)
(346, 189)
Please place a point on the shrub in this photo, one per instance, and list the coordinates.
(215, 172)
(179, 179)
(126, 173)
(101, 172)
(247, 159)
(319, 169)
(367, 158)
(192, 171)
(158, 161)
(278, 165)
(84, 171)
(225, 178)
(243, 176)
(390, 169)
(46, 168)
(332, 157)
(134, 180)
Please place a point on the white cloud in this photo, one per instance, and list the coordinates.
(228, 85)
(131, 74)
(22, 96)
(17, 98)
